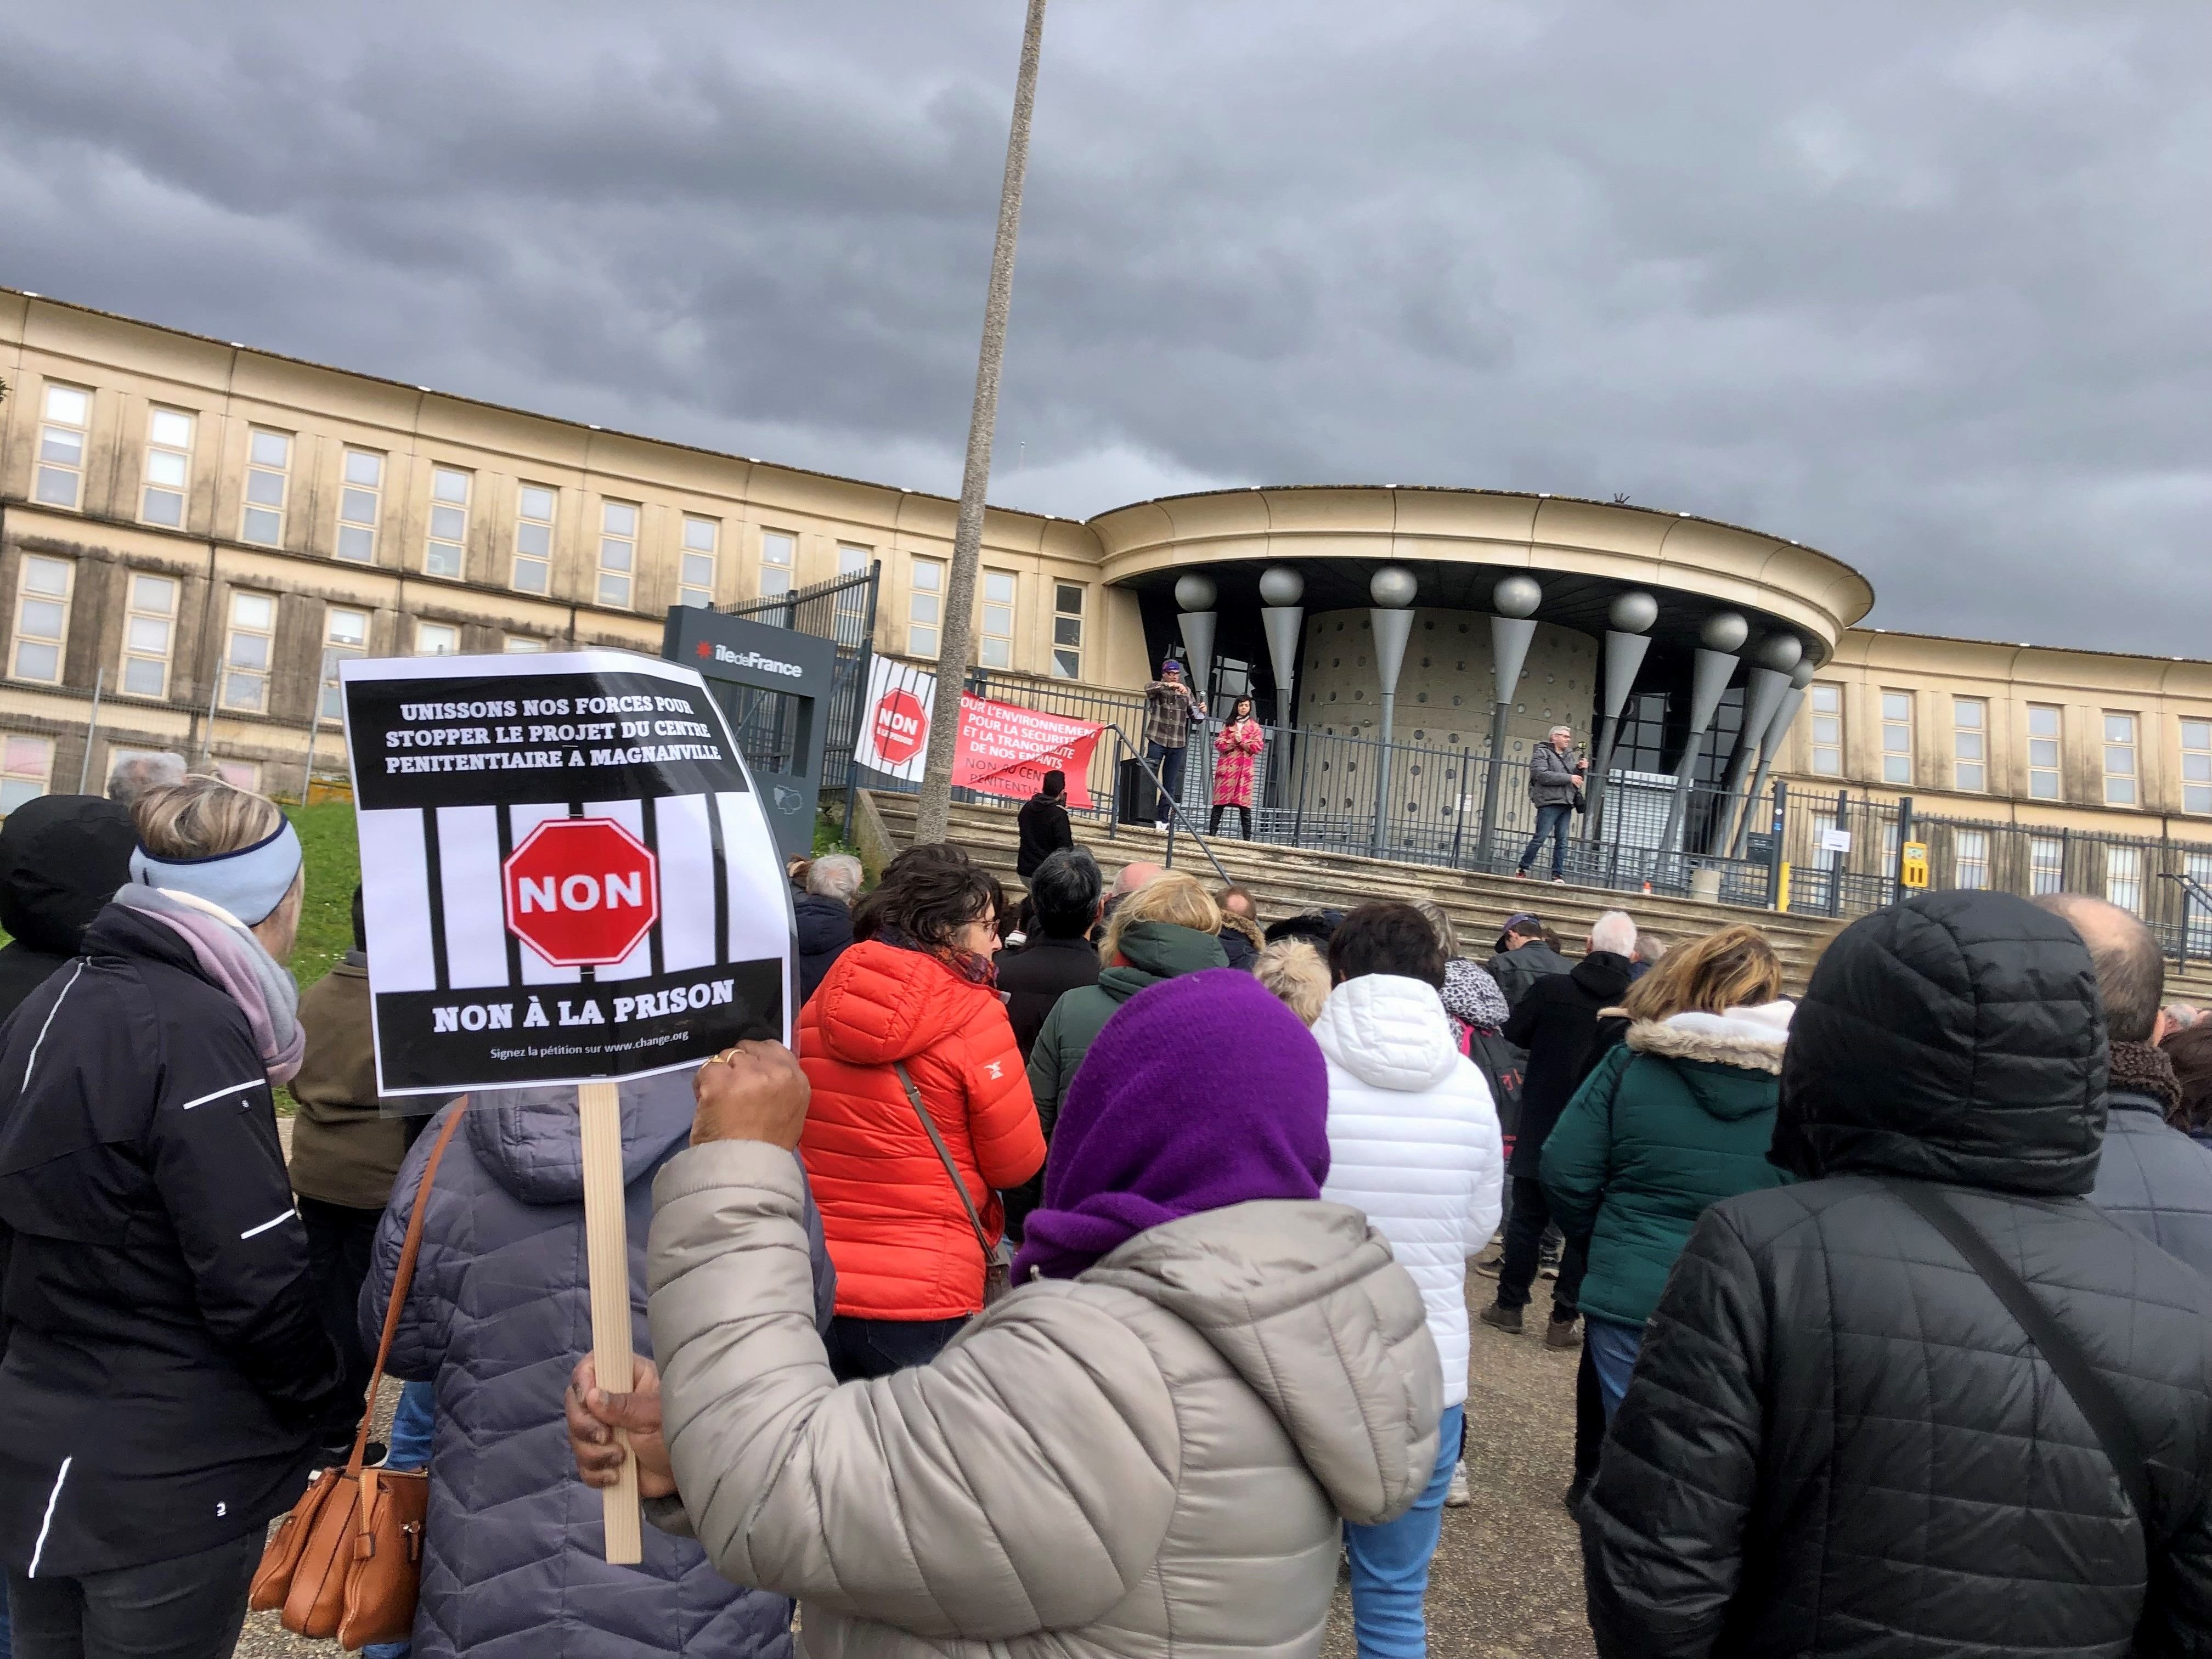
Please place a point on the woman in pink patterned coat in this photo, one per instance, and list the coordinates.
(1237, 746)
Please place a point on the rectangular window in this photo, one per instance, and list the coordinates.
(346, 634)
(2198, 867)
(1828, 731)
(925, 608)
(1825, 857)
(533, 540)
(42, 611)
(247, 651)
(148, 631)
(60, 480)
(1970, 745)
(447, 546)
(240, 774)
(2046, 865)
(517, 645)
(358, 504)
(2120, 761)
(437, 640)
(168, 468)
(695, 576)
(1970, 858)
(2124, 878)
(779, 562)
(618, 552)
(26, 766)
(849, 619)
(268, 473)
(1897, 737)
(998, 644)
(2197, 766)
(2043, 729)
(1067, 631)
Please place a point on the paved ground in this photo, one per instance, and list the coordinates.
(1507, 1577)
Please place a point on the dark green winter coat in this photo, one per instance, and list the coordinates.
(1150, 952)
(1675, 1118)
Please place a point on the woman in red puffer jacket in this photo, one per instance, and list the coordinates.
(915, 988)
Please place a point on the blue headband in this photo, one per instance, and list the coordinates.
(249, 883)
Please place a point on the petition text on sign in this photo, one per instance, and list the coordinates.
(568, 876)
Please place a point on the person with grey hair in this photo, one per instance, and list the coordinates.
(2152, 1177)
(825, 916)
(1555, 1022)
(1554, 786)
(132, 775)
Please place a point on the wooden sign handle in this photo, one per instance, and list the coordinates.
(606, 1249)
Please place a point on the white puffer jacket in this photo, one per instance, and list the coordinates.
(1413, 1141)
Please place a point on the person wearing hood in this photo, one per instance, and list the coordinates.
(1146, 1449)
(1554, 1023)
(1167, 928)
(166, 1364)
(823, 917)
(2153, 1175)
(62, 857)
(1412, 1141)
(1043, 825)
(909, 1023)
(1927, 1399)
(1675, 1118)
(497, 1315)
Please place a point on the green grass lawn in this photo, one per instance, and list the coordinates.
(327, 836)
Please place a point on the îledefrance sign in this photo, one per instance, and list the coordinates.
(567, 874)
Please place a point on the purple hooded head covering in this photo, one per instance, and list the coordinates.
(1201, 1092)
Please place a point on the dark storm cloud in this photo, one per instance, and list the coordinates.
(1923, 286)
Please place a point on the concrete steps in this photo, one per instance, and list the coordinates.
(1284, 880)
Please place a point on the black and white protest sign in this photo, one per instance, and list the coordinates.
(568, 875)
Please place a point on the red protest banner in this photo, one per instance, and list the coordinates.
(1005, 750)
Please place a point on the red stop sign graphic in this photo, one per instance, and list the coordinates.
(581, 892)
(901, 725)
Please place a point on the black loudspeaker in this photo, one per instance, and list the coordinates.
(1134, 795)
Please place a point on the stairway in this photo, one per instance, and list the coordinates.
(1284, 880)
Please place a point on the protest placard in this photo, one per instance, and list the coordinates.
(568, 879)
(1006, 749)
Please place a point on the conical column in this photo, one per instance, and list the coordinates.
(1625, 646)
(1514, 600)
(1714, 666)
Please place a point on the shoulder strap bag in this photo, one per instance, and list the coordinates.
(998, 1260)
(347, 1562)
(2093, 1396)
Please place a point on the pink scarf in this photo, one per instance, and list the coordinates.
(230, 956)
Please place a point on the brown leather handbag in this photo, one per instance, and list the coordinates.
(348, 1561)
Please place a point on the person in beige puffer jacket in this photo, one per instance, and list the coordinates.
(1146, 1450)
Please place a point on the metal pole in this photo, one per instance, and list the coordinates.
(933, 809)
(91, 726)
(1608, 734)
(1382, 774)
(860, 672)
(1842, 860)
(1487, 857)
(1904, 835)
(1459, 817)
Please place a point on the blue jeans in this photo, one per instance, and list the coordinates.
(1612, 1349)
(409, 1448)
(1390, 1563)
(1168, 763)
(1551, 821)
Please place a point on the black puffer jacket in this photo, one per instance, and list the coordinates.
(825, 933)
(1837, 1440)
(1554, 1024)
(62, 857)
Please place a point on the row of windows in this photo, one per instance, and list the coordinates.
(42, 614)
(27, 769)
(1970, 730)
(266, 501)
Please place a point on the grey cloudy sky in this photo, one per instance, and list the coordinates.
(1924, 286)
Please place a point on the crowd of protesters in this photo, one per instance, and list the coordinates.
(1094, 1276)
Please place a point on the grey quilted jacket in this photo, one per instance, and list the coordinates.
(499, 1314)
(2155, 1179)
(1149, 1461)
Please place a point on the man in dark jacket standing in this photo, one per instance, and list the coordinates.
(2152, 1176)
(1060, 955)
(62, 857)
(1555, 1024)
(825, 916)
(1840, 1438)
(1523, 957)
(1555, 784)
(1044, 827)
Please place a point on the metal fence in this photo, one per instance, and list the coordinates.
(843, 610)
